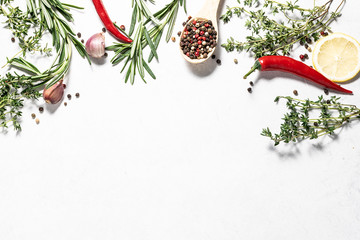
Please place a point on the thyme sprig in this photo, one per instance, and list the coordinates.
(41, 16)
(20, 23)
(298, 125)
(146, 29)
(277, 37)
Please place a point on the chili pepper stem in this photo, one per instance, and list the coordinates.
(256, 66)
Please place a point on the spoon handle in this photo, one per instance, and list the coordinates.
(209, 9)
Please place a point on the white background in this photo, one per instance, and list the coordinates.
(180, 157)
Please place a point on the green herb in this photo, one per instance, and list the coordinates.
(275, 37)
(298, 123)
(146, 29)
(20, 23)
(41, 16)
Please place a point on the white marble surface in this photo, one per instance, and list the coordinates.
(178, 158)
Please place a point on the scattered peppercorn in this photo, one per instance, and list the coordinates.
(69, 96)
(236, 61)
(328, 101)
(37, 121)
(302, 57)
(308, 40)
(173, 39)
(13, 39)
(306, 56)
(77, 95)
(65, 104)
(122, 27)
(295, 92)
(64, 85)
(218, 61)
(306, 46)
(309, 49)
(251, 83)
(104, 30)
(316, 124)
(79, 35)
(82, 41)
(41, 109)
(249, 90)
(105, 54)
(33, 115)
(326, 91)
(213, 56)
(324, 33)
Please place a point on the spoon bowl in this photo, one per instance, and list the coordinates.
(208, 12)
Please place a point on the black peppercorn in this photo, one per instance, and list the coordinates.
(218, 61)
(79, 35)
(295, 92)
(69, 96)
(197, 40)
(249, 90)
(326, 91)
(41, 109)
(251, 83)
(104, 29)
(77, 95)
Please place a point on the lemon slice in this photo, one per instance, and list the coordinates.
(337, 57)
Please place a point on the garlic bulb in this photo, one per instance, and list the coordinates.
(54, 93)
(95, 46)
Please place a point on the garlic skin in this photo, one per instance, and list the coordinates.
(55, 93)
(95, 45)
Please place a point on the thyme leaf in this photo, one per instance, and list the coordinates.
(299, 123)
(41, 16)
(277, 37)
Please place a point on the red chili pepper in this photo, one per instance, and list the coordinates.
(109, 25)
(290, 65)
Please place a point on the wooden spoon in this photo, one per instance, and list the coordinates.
(208, 12)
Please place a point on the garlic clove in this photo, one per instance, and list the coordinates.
(54, 94)
(95, 45)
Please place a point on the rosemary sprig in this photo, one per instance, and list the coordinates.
(275, 37)
(43, 16)
(299, 125)
(147, 30)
